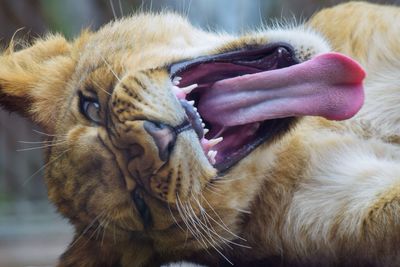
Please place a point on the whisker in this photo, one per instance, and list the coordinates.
(113, 9)
(189, 228)
(86, 229)
(176, 222)
(188, 8)
(205, 228)
(36, 142)
(181, 212)
(96, 232)
(243, 211)
(222, 254)
(228, 180)
(110, 68)
(212, 186)
(101, 88)
(173, 217)
(41, 147)
(213, 191)
(46, 134)
(208, 224)
(204, 238)
(216, 249)
(120, 8)
(193, 219)
(185, 221)
(44, 166)
(211, 228)
(107, 223)
(223, 225)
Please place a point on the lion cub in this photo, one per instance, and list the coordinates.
(172, 143)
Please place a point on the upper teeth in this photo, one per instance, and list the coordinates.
(181, 93)
(208, 144)
(176, 80)
(189, 88)
(216, 141)
(178, 92)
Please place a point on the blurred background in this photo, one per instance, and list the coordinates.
(31, 233)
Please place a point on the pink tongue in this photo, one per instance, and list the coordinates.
(329, 85)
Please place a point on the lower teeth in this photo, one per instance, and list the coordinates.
(211, 156)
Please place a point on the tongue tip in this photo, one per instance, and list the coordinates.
(353, 75)
(355, 70)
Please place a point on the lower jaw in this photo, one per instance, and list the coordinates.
(270, 131)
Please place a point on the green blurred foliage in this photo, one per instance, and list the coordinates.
(58, 19)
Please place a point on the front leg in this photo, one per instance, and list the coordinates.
(347, 209)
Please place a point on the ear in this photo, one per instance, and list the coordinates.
(33, 80)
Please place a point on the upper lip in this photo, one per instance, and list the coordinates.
(232, 56)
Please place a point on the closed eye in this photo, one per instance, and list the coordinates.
(142, 208)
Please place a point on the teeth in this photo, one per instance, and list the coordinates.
(179, 94)
(203, 125)
(208, 144)
(189, 88)
(176, 80)
(205, 131)
(211, 156)
(191, 102)
(214, 142)
(198, 115)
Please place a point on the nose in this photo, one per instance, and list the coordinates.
(164, 137)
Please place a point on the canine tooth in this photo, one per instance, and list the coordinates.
(205, 130)
(214, 142)
(211, 155)
(189, 88)
(179, 94)
(176, 80)
(191, 102)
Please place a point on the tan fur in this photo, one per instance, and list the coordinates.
(326, 193)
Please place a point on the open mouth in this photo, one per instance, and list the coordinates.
(226, 145)
(238, 100)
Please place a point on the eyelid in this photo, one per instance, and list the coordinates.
(93, 97)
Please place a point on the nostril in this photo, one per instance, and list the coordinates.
(164, 137)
